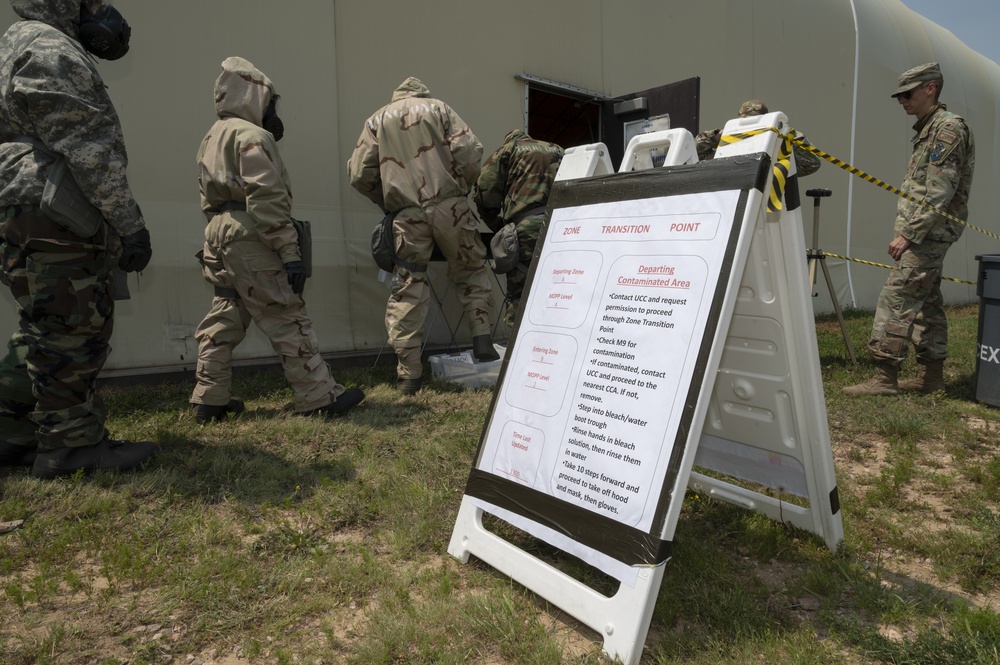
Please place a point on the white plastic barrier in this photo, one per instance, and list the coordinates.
(584, 161)
(645, 150)
(751, 408)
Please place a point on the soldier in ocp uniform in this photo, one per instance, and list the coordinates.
(910, 307)
(418, 159)
(55, 112)
(251, 255)
(514, 188)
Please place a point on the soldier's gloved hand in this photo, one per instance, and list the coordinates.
(136, 251)
(296, 275)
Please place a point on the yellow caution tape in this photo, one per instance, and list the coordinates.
(805, 145)
(818, 253)
(802, 143)
(781, 167)
(781, 177)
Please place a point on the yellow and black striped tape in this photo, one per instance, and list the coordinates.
(781, 177)
(816, 252)
(805, 145)
(886, 186)
(781, 167)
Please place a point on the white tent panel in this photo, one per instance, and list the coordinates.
(829, 65)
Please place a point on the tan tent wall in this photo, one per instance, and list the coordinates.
(828, 64)
(892, 39)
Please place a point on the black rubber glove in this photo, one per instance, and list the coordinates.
(296, 275)
(136, 251)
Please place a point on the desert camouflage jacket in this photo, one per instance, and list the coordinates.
(414, 151)
(939, 172)
(53, 102)
(516, 178)
(238, 161)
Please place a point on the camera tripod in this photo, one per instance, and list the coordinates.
(817, 257)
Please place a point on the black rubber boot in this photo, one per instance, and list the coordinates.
(14, 455)
(408, 386)
(483, 350)
(104, 456)
(347, 401)
(209, 412)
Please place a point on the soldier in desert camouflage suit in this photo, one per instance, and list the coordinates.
(251, 253)
(706, 142)
(910, 306)
(513, 188)
(416, 157)
(53, 104)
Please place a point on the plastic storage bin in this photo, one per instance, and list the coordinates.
(988, 357)
(462, 368)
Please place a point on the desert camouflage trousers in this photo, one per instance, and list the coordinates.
(911, 307)
(62, 289)
(527, 237)
(451, 226)
(266, 298)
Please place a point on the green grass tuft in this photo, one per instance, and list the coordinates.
(275, 539)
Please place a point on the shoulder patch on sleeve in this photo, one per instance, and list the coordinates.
(947, 135)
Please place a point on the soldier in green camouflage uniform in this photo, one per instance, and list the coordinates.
(251, 254)
(513, 188)
(706, 142)
(54, 105)
(910, 307)
(416, 157)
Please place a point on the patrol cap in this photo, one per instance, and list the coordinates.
(913, 78)
(752, 107)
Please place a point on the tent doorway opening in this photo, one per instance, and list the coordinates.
(570, 116)
(565, 121)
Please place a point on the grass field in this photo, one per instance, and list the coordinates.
(281, 539)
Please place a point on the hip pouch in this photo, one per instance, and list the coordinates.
(504, 248)
(384, 247)
(304, 231)
(64, 202)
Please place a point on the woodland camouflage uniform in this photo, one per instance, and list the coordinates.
(53, 102)
(417, 157)
(246, 197)
(514, 187)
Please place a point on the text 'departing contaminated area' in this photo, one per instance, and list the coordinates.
(590, 405)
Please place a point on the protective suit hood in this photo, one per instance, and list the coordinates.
(63, 15)
(514, 135)
(242, 91)
(411, 87)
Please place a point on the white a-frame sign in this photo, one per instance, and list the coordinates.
(667, 325)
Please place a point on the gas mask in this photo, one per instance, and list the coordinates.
(271, 121)
(104, 33)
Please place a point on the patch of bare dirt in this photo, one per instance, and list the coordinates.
(577, 640)
(926, 500)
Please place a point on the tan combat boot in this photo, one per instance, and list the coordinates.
(931, 379)
(883, 383)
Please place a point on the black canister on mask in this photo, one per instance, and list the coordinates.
(104, 33)
(272, 122)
